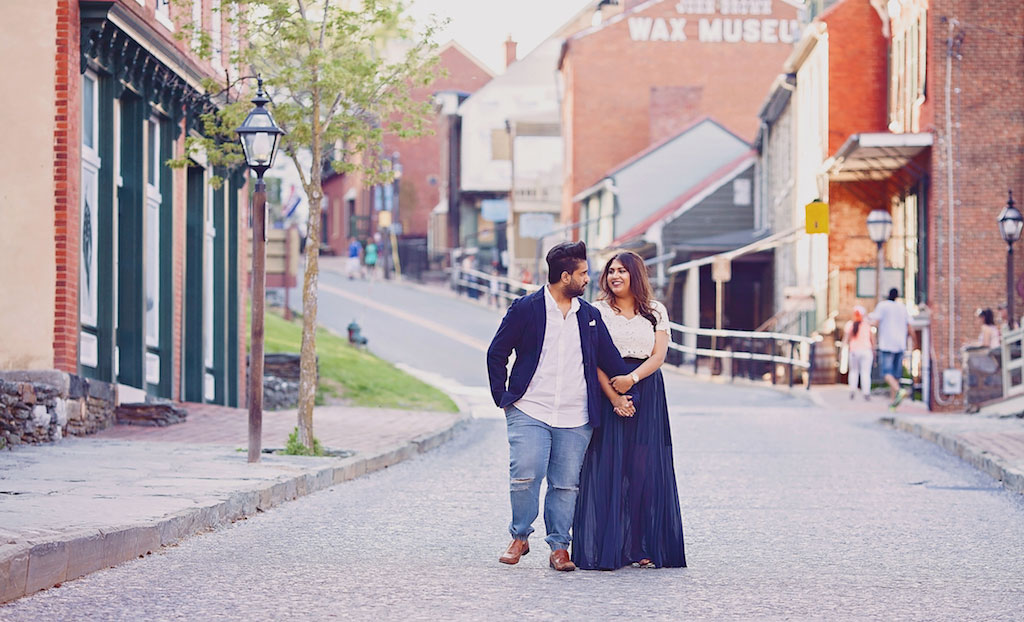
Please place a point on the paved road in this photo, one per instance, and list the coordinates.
(790, 512)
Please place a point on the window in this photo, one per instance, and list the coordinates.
(153, 140)
(741, 191)
(163, 13)
(89, 111)
(216, 34)
(197, 21)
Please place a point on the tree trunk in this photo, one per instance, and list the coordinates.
(308, 372)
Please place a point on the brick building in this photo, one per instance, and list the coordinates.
(352, 208)
(127, 271)
(646, 73)
(933, 138)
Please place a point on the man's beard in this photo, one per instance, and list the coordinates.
(575, 289)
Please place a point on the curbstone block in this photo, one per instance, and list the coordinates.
(13, 571)
(85, 555)
(47, 566)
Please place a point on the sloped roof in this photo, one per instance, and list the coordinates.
(652, 149)
(692, 196)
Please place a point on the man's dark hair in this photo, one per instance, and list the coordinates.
(893, 293)
(565, 257)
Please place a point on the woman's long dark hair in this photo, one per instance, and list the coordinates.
(856, 328)
(639, 285)
(987, 317)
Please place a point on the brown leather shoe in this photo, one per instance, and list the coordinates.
(559, 560)
(517, 549)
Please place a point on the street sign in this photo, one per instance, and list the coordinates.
(383, 220)
(721, 269)
(816, 217)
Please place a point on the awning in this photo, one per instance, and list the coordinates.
(876, 156)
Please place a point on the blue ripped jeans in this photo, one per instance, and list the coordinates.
(536, 451)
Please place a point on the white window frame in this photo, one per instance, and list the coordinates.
(163, 14)
(89, 297)
(197, 21)
(217, 33)
(152, 233)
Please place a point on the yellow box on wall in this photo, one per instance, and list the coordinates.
(816, 217)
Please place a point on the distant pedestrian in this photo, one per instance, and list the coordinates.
(370, 259)
(353, 267)
(495, 289)
(858, 342)
(989, 335)
(893, 323)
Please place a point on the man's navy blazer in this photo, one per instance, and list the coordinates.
(522, 330)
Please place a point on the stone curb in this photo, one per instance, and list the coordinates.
(33, 566)
(993, 465)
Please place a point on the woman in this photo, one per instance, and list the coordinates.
(857, 339)
(370, 258)
(989, 335)
(627, 511)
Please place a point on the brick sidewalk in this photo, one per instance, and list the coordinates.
(337, 427)
(991, 443)
(88, 503)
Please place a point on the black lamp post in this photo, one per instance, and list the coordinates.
(1010, 224)
(259, 136)
(879, 230)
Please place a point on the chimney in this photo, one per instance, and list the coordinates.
(510, 51)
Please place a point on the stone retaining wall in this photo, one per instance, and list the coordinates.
(46, 406)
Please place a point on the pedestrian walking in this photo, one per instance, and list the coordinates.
(552, 398)
(494, 288)
(861, 350)
(353, 267)
(370, 259)
(893, 323)
(628, 508)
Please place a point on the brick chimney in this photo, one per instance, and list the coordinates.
(510, 51)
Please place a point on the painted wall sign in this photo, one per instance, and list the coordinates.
(725, 21)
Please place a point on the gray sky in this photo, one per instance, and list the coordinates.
(481, 26)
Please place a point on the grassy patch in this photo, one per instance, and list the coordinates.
(356, 376)
(296, 448)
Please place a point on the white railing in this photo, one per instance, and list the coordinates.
(801, 349)
(508, 289)
(1013, 362)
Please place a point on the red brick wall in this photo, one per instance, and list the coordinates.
(421, 157)
(608, 107)
(987, 134)
(67, 181)
(857, 71)
(857, 91)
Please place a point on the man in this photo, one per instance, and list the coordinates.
(552, 399)
(893, 323)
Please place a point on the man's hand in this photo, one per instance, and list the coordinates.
(621, 384)
(623, 406)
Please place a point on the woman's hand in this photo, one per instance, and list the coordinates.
(621, 384)
(623, 406)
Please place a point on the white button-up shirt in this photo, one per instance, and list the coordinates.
(557, 394)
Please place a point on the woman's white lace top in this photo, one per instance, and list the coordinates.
(633, 337)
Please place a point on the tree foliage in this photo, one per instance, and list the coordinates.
(340, 75)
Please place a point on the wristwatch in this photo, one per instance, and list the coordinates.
(635, 378)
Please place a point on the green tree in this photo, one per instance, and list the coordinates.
(339, 74)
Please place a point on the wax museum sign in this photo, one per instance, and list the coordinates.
(718, 21)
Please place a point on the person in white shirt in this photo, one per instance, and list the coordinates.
(552, 398)
(893, 323)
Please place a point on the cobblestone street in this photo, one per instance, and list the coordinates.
(790, 512)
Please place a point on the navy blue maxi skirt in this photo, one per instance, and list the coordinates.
(628, 505)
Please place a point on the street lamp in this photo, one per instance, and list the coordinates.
(1010, 224)
(259, 136)
(879, 230)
